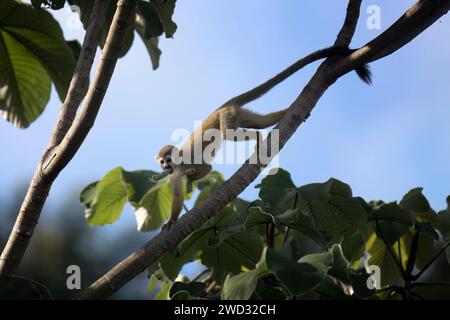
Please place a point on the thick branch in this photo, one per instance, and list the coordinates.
(56, 158)
(297, 113)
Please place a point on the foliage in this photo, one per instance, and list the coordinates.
(345, 236)
(34, 53)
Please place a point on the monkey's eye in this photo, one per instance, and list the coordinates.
(169, 160)
(161, 161)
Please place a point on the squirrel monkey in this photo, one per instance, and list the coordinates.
(231, 115)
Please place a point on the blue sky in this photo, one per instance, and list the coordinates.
(383, 140)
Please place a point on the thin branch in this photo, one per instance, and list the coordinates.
(56, 158)
(80, 79)
(431, 284)
(415, 20)
(388, 288)
(351, 20)
(35, 284)
(430, 263)
(299, 110)
(416, 295)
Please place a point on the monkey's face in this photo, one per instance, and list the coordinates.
(166, 163)
(164, 158)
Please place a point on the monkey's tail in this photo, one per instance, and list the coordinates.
(363, 72)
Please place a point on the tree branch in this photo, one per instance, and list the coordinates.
(415, 20)
(80, 79)
(70, 135)
(345, 36)
(296, 114)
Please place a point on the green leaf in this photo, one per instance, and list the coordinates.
(241, 286)
(380, 256)
(152, 19)
(152, 284)
(391, 231)
(207, 185)
(148, 21)
(300, 277)
(415, 202)
(266, 291)
(222, 255)
(394, 213)
(104, 200)
(240, 249)
(163, 293)
(340, 266)
(151, 44)
(184, 290)
(33, 52)
(425, 250)
(164, 9)
(154, 207)
(192, 247)
(75, 47)
(353, 246)
(336, 213)
(112, 195)
(278, 190)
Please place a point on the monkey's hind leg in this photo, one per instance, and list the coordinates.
(232, 130)
(253, 120)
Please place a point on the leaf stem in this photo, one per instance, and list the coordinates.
(428, 265)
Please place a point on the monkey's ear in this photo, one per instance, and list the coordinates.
(156, 158)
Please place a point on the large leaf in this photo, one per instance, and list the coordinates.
(278, 190)
(241, 286)
(164, 9)
(299, 278)
(222, 257)
(186, 291)
(152, 20)
(415, 202)
(207, 185)
(104, 200)
(381, 257)
(33, 52)
(240, 249)
(336, 212)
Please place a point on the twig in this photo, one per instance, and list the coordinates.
(431, 284)
(35, 284)
(419, 274)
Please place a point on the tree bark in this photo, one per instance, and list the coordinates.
(69, 134)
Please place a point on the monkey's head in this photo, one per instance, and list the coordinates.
(165, 157)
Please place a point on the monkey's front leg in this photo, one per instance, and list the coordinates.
(176, 186)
